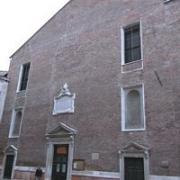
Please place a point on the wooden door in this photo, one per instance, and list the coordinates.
(60, 162)
(134, 168)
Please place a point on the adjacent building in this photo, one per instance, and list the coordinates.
(94, 95)
(3, 90)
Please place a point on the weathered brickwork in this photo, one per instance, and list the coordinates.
(81, 45)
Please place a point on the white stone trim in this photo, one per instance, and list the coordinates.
(19, 79)
(123, 40)
(123, 99)
(12, 123)
(28, 169)
(134, 70)
(66, 127)
(102, 174)
(144, 156)
(13, 119)
(97, 174)
(54, 132)
(62, 111)
(116, 175)
(142, 45)
(64, 92)
(167, 1)
(11, 146)
(4, 162)
(50, 154)
(123, 48)
(154, 177)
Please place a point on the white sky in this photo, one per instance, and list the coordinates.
(19, 20)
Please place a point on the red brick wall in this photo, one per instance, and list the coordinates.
(81, 46)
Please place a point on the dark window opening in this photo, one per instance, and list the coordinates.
(132, 43)
(24, 77)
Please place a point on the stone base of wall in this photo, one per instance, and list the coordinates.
(24, 175)
(89, 178)
(27, 175)
(30, 175)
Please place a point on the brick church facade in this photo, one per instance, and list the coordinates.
(94, 95)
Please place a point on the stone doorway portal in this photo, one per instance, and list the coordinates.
(60, 144)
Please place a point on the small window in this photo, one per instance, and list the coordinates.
(132, 43)
(16, 123)
(133, 109)
(24, 74)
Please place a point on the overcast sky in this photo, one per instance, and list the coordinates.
(20, 19)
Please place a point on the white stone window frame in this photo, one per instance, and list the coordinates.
(4, 160)
(123, 106)
(64, 92)
(20, 78)
(13, 119)
(123, 46)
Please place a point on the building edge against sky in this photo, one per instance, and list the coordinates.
(19, 16)
(112, 111)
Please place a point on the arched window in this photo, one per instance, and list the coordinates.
(133, 109)
(16, 123)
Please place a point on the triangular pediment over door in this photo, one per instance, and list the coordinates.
(61, 130)
(60, 136)
(134, 147)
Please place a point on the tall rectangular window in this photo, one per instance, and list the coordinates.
(16, 123)
(24, 74)
(132, 109)
(132, 43)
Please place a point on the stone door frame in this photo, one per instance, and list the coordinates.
(9, 150)
(134, 150)
(61, 134)
(50, 155)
